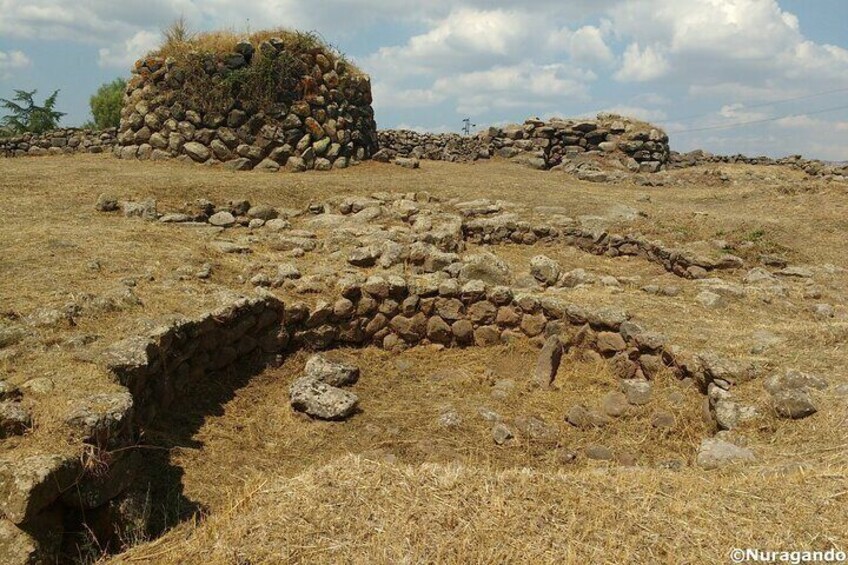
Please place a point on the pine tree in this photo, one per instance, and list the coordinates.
(27, 116)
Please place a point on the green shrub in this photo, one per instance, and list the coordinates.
(261, 85)
(106, 104)
(27, 116)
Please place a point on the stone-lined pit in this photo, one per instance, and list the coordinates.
(164, 371)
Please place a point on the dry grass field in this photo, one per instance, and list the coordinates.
(394, 483)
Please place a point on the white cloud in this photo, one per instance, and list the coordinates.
(738, 113)
(801, 121)
(526, 85)
(13, 60)
(642, 65)
(716, 60)
(387, 96)
(123, 55)
(585, 45)
(426, 129)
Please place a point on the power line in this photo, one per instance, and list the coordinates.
(762, 121)
(763, 104)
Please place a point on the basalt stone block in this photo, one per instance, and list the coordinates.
(28, 484)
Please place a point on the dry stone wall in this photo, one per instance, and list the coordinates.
(638, 146)
(812, 167)
(327, 123)
(43, 493)
(59, 142)
(434, 147)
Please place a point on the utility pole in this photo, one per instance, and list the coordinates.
(466, 129)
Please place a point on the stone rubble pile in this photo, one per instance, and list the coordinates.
(318, 392)
(812, 167)
(435, 237)
(552, 144)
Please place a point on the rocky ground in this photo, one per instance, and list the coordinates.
(741, 265)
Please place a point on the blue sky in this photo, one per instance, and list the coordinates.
(696, 67)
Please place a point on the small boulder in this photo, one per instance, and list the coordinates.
(14, 419)
(197, 151)
(600, 453)
(547, 364)
(711, 300)
(322, 401)
(334, 373)
(716, 453)
(106, 203)
(501, 433)
(544, 269)
(794, 404)
(222, 219)
(615, 404)
(637, 391)
(407, 163)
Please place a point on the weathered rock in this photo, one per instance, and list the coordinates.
(30, 484)
(438, 331)
(485, 267)
(450, 418)
(333, 373)
(14, 419)
(794, 404)
(580, 417)
(486, 336)
(535, 428)
(501, 433)
(407, 163)
(794, 380)
(662, 420)
(610, 343)
(106, 203)
(222, 219)
(638, 392)
(548, 361)
(320, 400)
(197, 151)
(227, 247)
(600, 453)
(545, 270)
(615, 404)
(711, 300)
(364, 256)
(716, 453)
(145, 209)
(102, 419)
(729, 414)
(262, 212)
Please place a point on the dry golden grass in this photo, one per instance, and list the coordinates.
(392, 485)
(360, 511)
(179, 42)
(282, 489)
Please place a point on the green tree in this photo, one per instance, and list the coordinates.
(106, 104)
(27, 116)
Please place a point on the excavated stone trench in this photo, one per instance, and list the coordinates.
(191, 382)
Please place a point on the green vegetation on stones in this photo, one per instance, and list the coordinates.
(271, 79)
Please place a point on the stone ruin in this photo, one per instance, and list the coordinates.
(313, 113)
(611, 139)
(98, 477)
